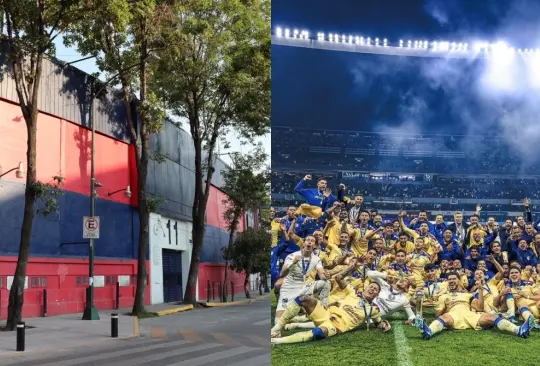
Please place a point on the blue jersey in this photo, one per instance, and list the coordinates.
(308, 225)
(487, 276)
(518, 286)
(454, 253)
(277, 257)
(396, 267)
(526, 257)
(313, 196)
(471, 263)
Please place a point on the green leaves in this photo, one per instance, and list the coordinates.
(247, 185)
(152, 111)
(46, 194)
(153, 203)
(33, 25)
(216, 69)
(158, 157)
(249, 252)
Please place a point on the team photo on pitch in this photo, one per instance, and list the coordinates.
(405, 212)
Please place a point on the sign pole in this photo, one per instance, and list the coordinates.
(90, 311)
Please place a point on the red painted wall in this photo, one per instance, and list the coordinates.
(63, 294)
(215, 209)
(215, 273)
(63, 148)
(133, 175)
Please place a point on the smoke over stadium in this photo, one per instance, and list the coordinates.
(497, 96)
(437, 117)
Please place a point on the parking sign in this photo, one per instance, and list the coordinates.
(91, 227)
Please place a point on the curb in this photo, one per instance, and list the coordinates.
(174, 310)
(242, 302)
(60, 349)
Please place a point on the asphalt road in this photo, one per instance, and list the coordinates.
(237, 335)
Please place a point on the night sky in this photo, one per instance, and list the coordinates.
(347, 91)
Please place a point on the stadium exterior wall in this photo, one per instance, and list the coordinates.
(65, 93)
(65, 280)
(58, 254)
(174, 179)
(172, 235)
(168, 234)
(58, 251)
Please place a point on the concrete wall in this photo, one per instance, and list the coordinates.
(164, 236)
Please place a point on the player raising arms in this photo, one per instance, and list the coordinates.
(344, 316)
(490, 287)
(455, 310)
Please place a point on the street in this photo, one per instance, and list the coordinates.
(236, 335)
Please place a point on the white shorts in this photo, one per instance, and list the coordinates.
(286, 296)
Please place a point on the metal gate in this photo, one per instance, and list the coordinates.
(172, 275)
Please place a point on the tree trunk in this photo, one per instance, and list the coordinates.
(138, 304)
(142, 173)
(200, 200)
(246, 286)
(197, 237)
(233, 228)
(16, 294)
(30, 113)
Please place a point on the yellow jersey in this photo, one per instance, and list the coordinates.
(275, 228)
(333, 231)
(490, 291)
(352, 312)
(455, 301)
(433, 290)
(408, 248)
(517, 286)
(383, 260)
(359, 242)
(417, 262)
(333, 252)
(429, 243)
(472, 242)
(389, 243)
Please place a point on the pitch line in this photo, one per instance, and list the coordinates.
(402, 346)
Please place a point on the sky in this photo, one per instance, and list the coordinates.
(89, 66)
(352, 91)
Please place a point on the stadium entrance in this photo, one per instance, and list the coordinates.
(172, 275)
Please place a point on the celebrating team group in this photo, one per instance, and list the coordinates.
(337, 267)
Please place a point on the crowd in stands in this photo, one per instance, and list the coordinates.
(337, 266)
(308, 149)
(437, 187)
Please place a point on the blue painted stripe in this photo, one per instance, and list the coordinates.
(58, 234)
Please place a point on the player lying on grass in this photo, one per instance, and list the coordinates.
(349, 314)
(391, 299)
(455, 310)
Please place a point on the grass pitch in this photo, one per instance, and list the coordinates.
(403, 346)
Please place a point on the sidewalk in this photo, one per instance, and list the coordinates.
(171, 308)
(239, 299)
(55, 333)
(64, 332)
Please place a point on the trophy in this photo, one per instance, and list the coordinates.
(419, 296)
